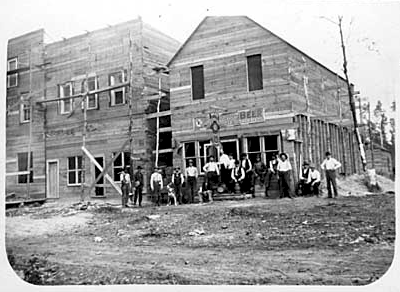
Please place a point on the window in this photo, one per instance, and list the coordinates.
(65, 90)
(253, 148)
(92, 99)
(74, 170)
(190, 153)
(254, 72)
(12, 79)
(197, 77)
(23, 166)
(24, 113)
(122, 160)
(271, 146)
(117, 96)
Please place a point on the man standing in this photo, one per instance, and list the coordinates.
(260, 171)
(330, 165)
(247, 167)
(303, 186)
(315, 180)
(224, 164)
(212, 173)
(138, 183)
(284, 169)
(191, 178)
(125, 179)
(156, 183)
(177, 180)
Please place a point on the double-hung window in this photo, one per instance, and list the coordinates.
(65, 90)
(24, 112)
(122, 161)
(117, 96)
(92, 99)
(12, 78)
(74, 170)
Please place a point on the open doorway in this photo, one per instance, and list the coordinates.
(231, 147)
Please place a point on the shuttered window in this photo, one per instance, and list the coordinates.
(197, 74)
(254, 72)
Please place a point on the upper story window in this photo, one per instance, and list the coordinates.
(65, 90)
(117, 96)
(254, 72)
(12, 79)
(197, 79)
(92, 99)
(24, 113)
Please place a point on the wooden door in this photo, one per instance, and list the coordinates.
(52, 180)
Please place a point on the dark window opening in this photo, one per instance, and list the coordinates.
(23, 166)
(197, 82)
(165, 140)
(254, 72)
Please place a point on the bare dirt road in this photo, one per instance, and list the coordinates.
(314, 241)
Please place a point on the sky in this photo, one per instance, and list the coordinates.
(371, 29)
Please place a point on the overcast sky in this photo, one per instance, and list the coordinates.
(372, 30)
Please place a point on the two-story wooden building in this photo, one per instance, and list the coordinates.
(263, 90)
(117, 65)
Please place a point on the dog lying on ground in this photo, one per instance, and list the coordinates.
(171, 194)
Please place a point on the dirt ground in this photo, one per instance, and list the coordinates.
(304, 241)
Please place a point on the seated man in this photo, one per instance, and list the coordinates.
(303, 186)
(315, 180)
(237, 177)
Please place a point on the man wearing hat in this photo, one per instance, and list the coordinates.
(191, 178)
(284, 168)
(177, 180)
(303, 186)
(330, 165)
(315, 180)
(138, 184)
(156, 183)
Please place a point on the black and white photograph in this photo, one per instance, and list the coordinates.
(199, 144)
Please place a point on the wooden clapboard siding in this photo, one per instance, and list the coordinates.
(99, 53)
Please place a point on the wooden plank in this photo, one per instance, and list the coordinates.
(17, 173)
(93, 160)
(160, 114)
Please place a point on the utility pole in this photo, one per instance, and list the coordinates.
(309, 139)
(158, 118)
(30, 124)
(340, 123)
(130, 102)
(370, 135)
(351, 99)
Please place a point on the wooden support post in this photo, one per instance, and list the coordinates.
(158, 120)
(106, 176)
(107, 167)
(30, 126)
(370, 136)
(309, 138)
(130, 102)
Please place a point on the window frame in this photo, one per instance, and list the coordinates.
(9, 85)
(114, 91)
(96, 96)
(30, 175)
(191, 83)
(77, 170)
(22, 109)
(263, 152)
(123, 165)
(61, 94)
(248, 71)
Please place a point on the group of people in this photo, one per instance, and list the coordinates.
(234, 176)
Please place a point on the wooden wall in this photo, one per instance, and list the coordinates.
(101, 52)
(29, 49)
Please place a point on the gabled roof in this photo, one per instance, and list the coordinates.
(257, 24)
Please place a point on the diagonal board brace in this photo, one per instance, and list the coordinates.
(107, 166)
(93, 160)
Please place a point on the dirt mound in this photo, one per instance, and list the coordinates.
(356, 185)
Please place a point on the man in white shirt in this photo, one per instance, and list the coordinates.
(330, 165)
(284, 168)
(191, 178)
(245, 163)
(125, 179)
(224, 164)
(212, 174)
(156, 183)
(315, 180)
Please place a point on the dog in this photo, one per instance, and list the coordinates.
(171, 194)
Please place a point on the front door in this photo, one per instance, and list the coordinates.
(52, 180)
(99, 186)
